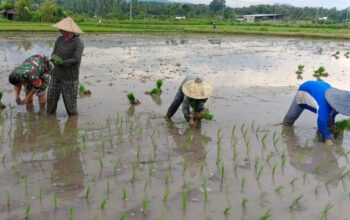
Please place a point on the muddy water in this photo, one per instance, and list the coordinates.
(242, 163)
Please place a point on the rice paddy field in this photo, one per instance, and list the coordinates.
(120, 161)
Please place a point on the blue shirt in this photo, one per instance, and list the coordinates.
(312, 96)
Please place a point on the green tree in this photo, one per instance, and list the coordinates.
(47, 9)
(216, 7)
(23, 9)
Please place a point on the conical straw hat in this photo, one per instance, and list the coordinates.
(197, 89)
(67, 24)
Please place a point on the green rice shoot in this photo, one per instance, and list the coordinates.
(82, 88)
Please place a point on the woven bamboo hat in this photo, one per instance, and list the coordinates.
(67, 24)
(197, 89)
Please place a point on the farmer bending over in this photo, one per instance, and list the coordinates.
(320, 98)
(193, 92)
(33, 74)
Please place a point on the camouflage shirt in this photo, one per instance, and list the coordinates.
(36, 71)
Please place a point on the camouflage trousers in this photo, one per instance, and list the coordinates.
(69, 92)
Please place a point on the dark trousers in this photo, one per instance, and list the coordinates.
(69, 92)
(179, 97)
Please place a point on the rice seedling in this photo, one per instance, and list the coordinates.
(132, 99)
(134, 173)
(274, 168)
(27, 211)
(268, 158)
(185, 166)
(300, 69)
(205, 189)
(107, 187)
(345, 175)
(166, 178)
(103, 204)
(343, 125)
(279, 190)
(144, 208)
(184, 200)
(336, 55)
(8, 198)
(292, 182)
(283, 163)
(166, 194)
(158, 89)
(320, 72)
(227, 211)
(263, 141)
(87, 193)
(71, 213)
(82, 88)
(317, 189)
(222, 171)
(325, 211)
(304, 178)
(55, 201)
(26, 184)
(267, 215)
(243, 183)
(275, 140)
(259, 173)
(125, 194)
(244, 202)
(101, 162)
(256, 164)
(123, 216)
(233, 131)
(295, 203)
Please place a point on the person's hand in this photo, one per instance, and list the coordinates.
(329, 142)
(57, 60)
(192, 122)
(19, 101)
(25, 101)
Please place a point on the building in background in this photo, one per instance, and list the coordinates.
(262, 17)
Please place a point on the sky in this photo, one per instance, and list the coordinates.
(339, 4)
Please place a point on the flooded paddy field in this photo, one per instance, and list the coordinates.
(116, 161)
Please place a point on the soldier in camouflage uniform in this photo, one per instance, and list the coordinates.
(33, 74)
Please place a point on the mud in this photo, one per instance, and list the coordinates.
(112, 147)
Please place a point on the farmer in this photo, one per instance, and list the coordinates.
(193, 92)
(33, 74)
(66, 57)
(320, 98)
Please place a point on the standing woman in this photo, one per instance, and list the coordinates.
(66, 57)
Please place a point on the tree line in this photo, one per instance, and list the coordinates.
(53, 10)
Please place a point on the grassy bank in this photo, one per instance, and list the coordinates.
(326, 31)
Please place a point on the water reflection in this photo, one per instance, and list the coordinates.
(314, 158)
(25, 45)
(67, 168)
(191, 144)
(36, 134)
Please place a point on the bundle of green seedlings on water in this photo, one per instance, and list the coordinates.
(320, 72)
(347, 55)
(83, 90)
(300, 71)
(158, 89)
(132, 99)
(336, 55)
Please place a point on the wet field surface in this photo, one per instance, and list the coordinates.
(116, 161)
